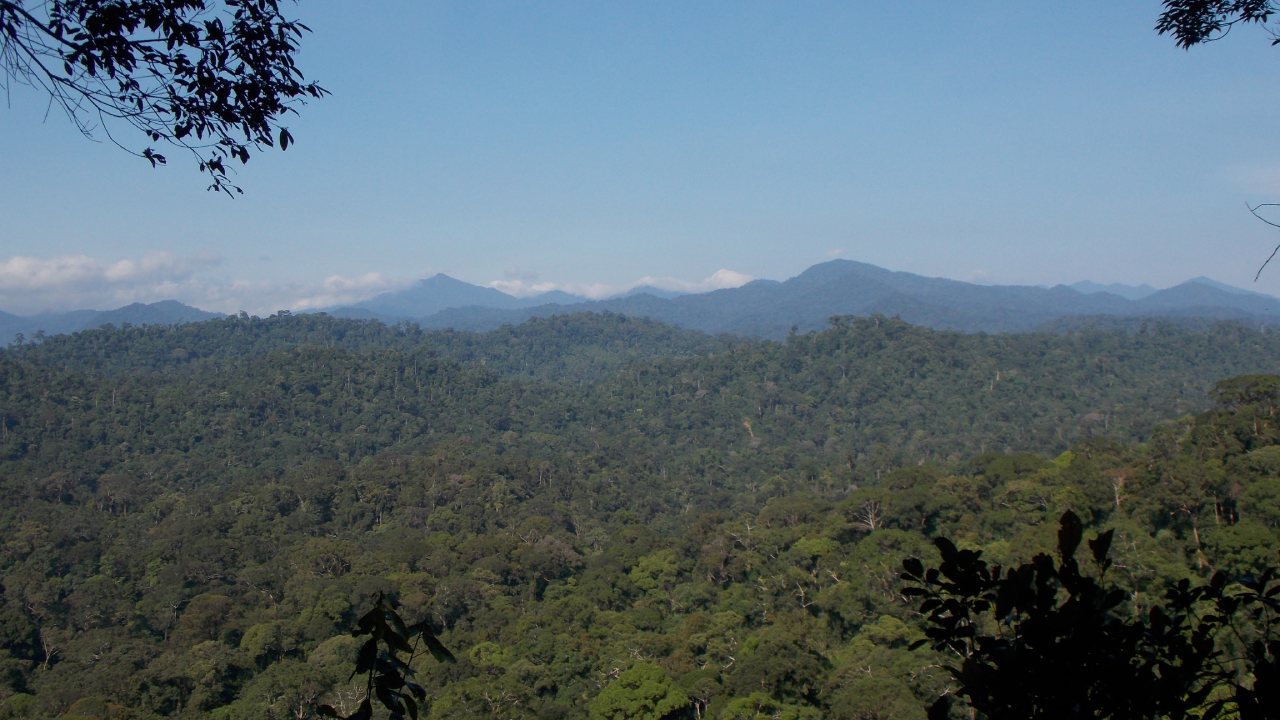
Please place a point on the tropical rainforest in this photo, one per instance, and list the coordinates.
(601, 517)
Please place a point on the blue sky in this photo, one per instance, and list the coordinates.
(590, 146)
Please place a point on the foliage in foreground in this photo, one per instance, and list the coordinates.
(211, 77)
(388, 678)
(1045, 640)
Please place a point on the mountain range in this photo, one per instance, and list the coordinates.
(165, 312)
(762, 308)
(769, 308)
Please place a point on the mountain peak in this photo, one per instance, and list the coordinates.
(163, 312)
(836, 287)
(1128, 292)
(1202, 280)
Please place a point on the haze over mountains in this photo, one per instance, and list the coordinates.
(764, 308)
(770, 308)
(165, 312)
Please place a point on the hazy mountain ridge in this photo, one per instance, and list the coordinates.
(441, 292)
(807, 301)
(1128, 292)
(164, 312)
(762, 308)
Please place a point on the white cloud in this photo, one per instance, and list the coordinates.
(718, 280)
(528, 284)
(19, 274)
(520, 287)
(340, 290)
(30, 285)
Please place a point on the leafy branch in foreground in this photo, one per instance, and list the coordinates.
(212, 77)
(1193, 22)
(389, 677)
(1044, 640)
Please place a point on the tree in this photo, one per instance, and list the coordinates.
(1046, 640)
(1192, 22)
(643, 691)
(212, 77)
(388, 678)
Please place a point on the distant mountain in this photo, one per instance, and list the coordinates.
(165, 312)
(650, 290)
(1196, 297)
(430, 296)
(807, 301)
(441, 292)
(1128, 292)
(763, 308)
(554, 297)
(1224, 287)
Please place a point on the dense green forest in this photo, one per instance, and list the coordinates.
(603, 517)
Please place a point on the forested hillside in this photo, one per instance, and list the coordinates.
(604, 517)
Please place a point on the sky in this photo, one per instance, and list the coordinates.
(594, 146)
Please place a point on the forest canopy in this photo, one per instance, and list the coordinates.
(596, 514)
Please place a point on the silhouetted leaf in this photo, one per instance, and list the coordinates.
(913, 566)
(437, 649)
(367, 658)
(1100, 546)
(940, 709)
(1070, 530)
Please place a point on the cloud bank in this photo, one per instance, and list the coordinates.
(525, 284)
(67, 282)
(30, 285)
(718, 280)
